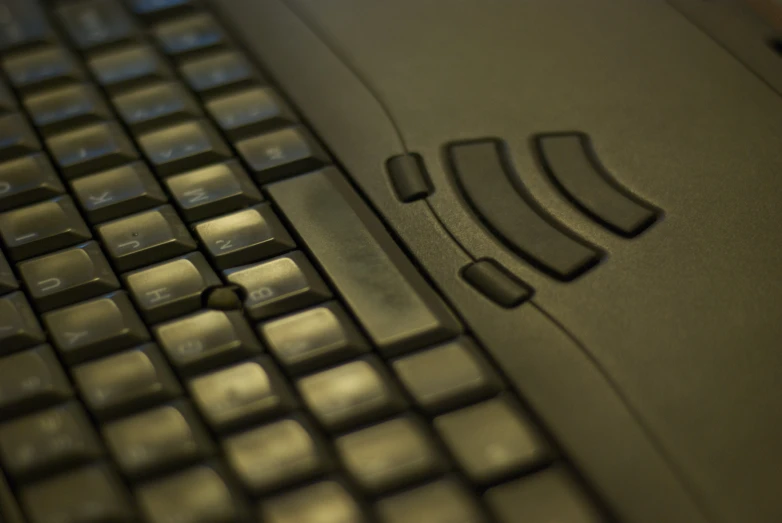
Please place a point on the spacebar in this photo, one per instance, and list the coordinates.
(391, 300)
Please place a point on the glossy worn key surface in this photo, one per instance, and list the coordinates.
(157, 440)
(68, 276)
(125, 382)
(213, 190)
(172, 288)
(275, 455)
(197, 495)
(19, 328)
(240, 394)
(66, 107)
(145, 238)
(311, 339)
(92, 494)
(493, 440)
(244, 237)
(250, 111)
(206, 340)
(280, 285)
(389, 455)
(217, 72)
(186, 34)
(444, 501)
(30, 380)
(183, 146)
(17, 138)
(94, 23)
(96, 327)
(27, 180)
(42, 227)
(42, 68)
(90, 149)
(350, 394)
(48, 441)
(127, 67)
(152, 106)
(279, 154)
(447, 376)
(322, 502)
(397, 308)
(117, 192)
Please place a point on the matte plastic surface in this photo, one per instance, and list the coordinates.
(657, 371)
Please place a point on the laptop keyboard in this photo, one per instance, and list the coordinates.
(200, 319)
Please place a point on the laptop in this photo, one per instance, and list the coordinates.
(342, 261)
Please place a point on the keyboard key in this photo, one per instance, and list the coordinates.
(172, 288)
(157, 440)
(351, 394)
(279, 285)
(197, 495)
(145, 238)
(19, 328)
(194, 32)
(24, 24)
(390, 455)
(241, 394)
(94, 23)
(88, 495)
(8, 281)
(128, 67)
(42, 68)
(389, 298)
(68, 276)
(47, 442)
(213, 190)
(66, 107)
(282, 153)
(42, 227)
(30, 380)
(275, 455)
(95, 327)
(92, 148)
(117, 192)
(448, 376)
(153, 106)
(314, 338)
(549, 495)
(183, 146)
(323, 502)
(125, 382)
(217, 72)
(493, 440)
(244, 237)
(252, 111)
(207, 340)
(16, 137)
(27, 180)
(444, 501)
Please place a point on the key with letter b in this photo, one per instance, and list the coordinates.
(279, 285)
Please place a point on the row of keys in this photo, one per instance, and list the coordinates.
(204, 493)
(340, 398)
(93, 22)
